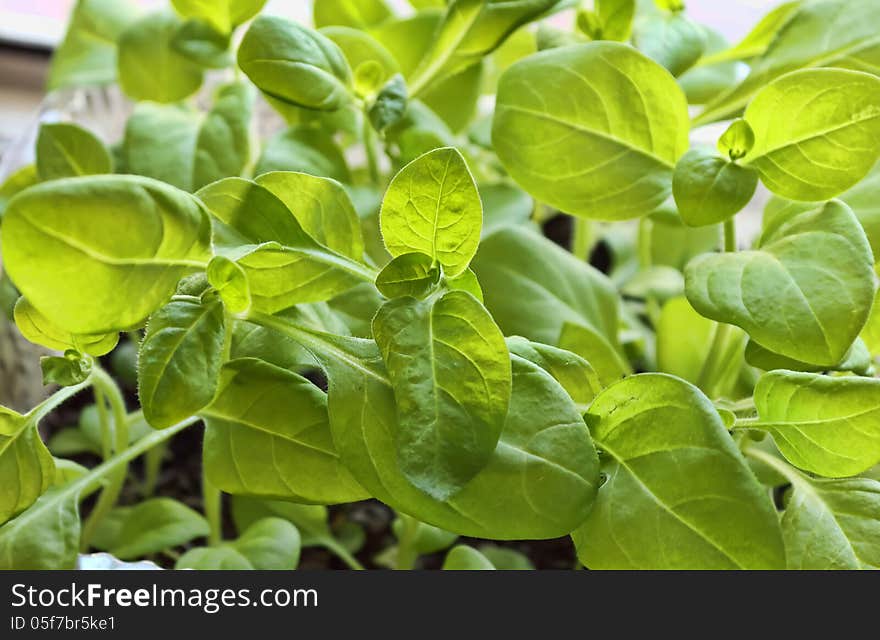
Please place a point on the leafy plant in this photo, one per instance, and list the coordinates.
(369, 303)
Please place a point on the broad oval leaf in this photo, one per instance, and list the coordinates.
(450, 370)
(655, 431)
(594, 130)
(410, 274)
(179, 360)
(268, 435)
(805, 292)
(149, 67)
(672, 39)
(815, 132)
(432, 206)
(224, 558)
(223, 15)
(67, 151)
(544, 445)
(709, 189)
(295, 65)
(464, 558)
(323, 208)
(826, 425)
(61, 250)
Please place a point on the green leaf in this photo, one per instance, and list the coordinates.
(703, 82)
(505, 559)
(432, 206)
(295, 65)
(544, 444)
(575, 374)
(99, 254)
(149, 67)
(824, 33)
(150, 527)
(829, 146)
(804, 293)
(675, 41)
(179, 360)
(503, 205)
(66, 371)
(410, 274)
(684, 338)
(87, 55)
(464, 558)
(759, 38)
(450, 370)
(833, 524)
(39, 330)
(323, 208)
(186, 148)
(46, 536)
(200, 43)
(26, 466)
(426, 539)
(230, 281)
(737, 141)
(67, 151)
(17, 182)
(224, 558)
(408, 39)
(656, 430)
(306, 150)
(310, 520)
(262, 410)
(593, 130)
(829, 426)
(272, 544)
(616, 18)
(533, 287)
(674, 244)
(709, 189)
(390, 104)
(223, 15)
(456, 99)
(596, 349)
(471, 30)
(360, 14)
(857, 360)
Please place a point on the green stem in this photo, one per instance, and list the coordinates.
(370, 142)
(406, 553)
(152, 469)
(730, 235)
(106, 426)
(582, 243)
(213, 505)
(646, 252)
(54, 401)
(343, 554)
(110, 495)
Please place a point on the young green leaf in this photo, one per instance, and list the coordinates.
(306, 150)
(544, 443)
(223, 15)
(464, 558)
(261, 409)
(99, 254)
(410, 274)
(825, 33)
(295, 65)
(67, 151)
(737, 141)
(533, 287)
(450, 370)
(615, 19)
(26, 466)
(149, 67)
(390, 104)
(17, 182)
(200, 43)
(829, 426)
(272, 544)
(575, 374)
(66, 371)
(829, 144)
(179, 360)
(857, 360)
(361, 14)
(654, 430)
(87, 55)
(597, 349)
(323, 208)
(187, 149)
(593, 130)
(150, 527)
(230, 281)
(683, 340)
(709, 189)
(675, 41)
(432, 206)
(804, 293)
(759, 38)
(224, 558)
(39, 330)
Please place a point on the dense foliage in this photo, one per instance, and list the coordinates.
(364, 305)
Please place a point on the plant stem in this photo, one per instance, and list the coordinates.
(582, 243)
(406, 553)
(645, 244)
(106, 426)
(343, 554)
(110, 495)
(213, 505)
(370, 141)
(730, 235)
(152, 467)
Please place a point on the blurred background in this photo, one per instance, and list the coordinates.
(30, 29)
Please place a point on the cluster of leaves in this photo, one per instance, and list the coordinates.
(693, 405)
